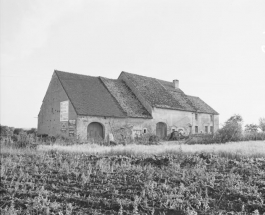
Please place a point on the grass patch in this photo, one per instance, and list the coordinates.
(246, 149)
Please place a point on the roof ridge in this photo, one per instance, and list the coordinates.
(144, 76)
(193, 96)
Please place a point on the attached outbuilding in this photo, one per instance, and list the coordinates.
(97, 108)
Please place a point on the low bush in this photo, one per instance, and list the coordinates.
(175, 135)
(147, 139)
(142, 139)
(23, 140)
(253, 136)
(201, 139)
(231, 131)
(154, 139)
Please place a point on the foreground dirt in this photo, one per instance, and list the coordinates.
(54, 183)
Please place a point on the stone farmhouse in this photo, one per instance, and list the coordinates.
(86, 107)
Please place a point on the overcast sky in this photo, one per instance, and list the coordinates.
(216, 49)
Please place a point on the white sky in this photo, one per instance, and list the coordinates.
(216, 48)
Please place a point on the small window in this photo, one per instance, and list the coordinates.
(211, 116)
(196, 130)
(211, 129)
(145, 130)
(206, 129)
(196, 116)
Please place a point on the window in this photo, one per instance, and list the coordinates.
(196, 130)
(145, 130)
(211, 116)
(206, 129)
(196, 116)
(211, 129)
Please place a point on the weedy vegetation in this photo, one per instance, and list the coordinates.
(134, 179)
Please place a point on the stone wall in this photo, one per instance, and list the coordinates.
(49, 115)
(111, 125)
(173, 118)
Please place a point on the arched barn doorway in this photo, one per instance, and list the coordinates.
(95, 131)
(161, 130)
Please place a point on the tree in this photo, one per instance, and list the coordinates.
(235, 119)
(262, 124)
(232, 129)
(32, 131)
(4, 130)
(17, 130)
(251, 128)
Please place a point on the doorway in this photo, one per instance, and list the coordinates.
(161, 130)
(95, 131)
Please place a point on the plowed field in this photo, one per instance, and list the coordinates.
(55, 182)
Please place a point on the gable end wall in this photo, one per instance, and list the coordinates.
(49, 115)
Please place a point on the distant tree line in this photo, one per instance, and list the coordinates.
(7, 131)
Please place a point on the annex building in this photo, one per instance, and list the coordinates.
(87, 107)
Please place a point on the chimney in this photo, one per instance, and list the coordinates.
(176, 83)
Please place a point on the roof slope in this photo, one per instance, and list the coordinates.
(158, 94)
(201, 106)
(162, 94)
(125, 97)
(97, 96)
(179, 95)
(89, 96)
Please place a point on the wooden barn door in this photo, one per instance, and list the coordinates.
(161, 130)
(95, 131)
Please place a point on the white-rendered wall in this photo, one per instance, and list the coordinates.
(173, 118)
(184, 119)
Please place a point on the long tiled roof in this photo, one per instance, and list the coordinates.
(96, 96)
(162, 94)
